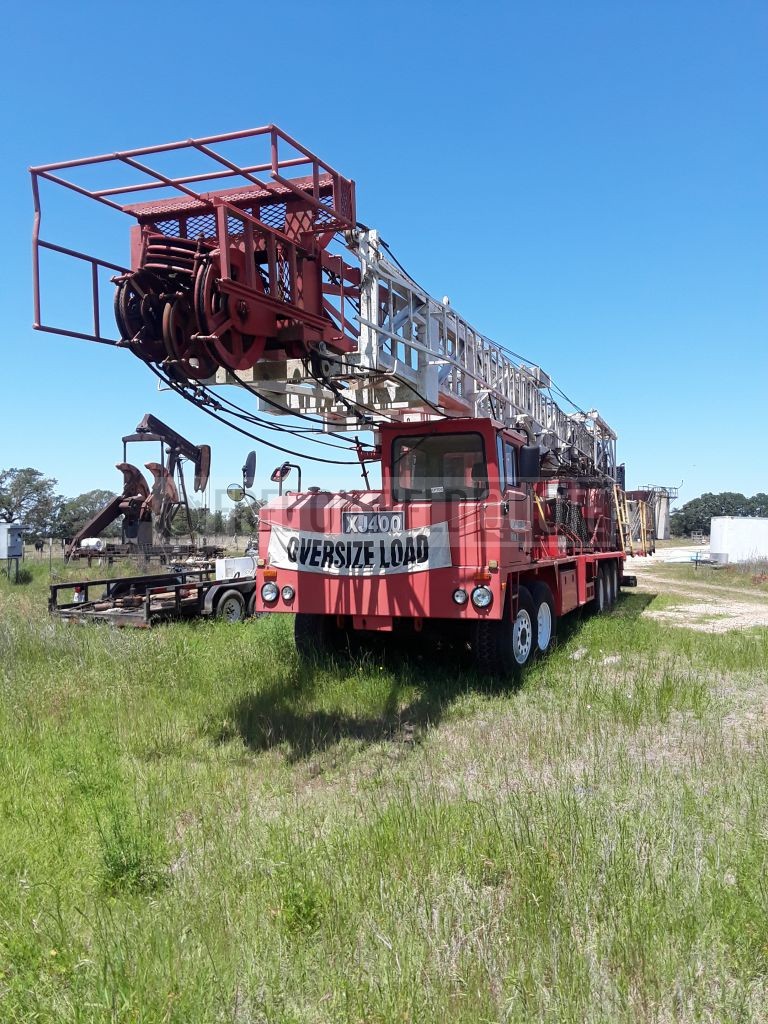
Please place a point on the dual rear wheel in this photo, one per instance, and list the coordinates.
(505, 646)
(606, 586)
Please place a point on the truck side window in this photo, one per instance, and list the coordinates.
(510, 465)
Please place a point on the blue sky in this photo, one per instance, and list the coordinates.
(586, 181)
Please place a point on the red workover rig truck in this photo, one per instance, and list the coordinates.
(498, 512)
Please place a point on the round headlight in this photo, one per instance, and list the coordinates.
(269, 592)
(459, 596)
(482, 597)
(287, 593)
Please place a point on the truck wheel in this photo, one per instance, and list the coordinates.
(318, 634)
(610, 584)
(546, 620)
(521, 638)
(610, 578)
(504, 647)
(230, 606)
(615, 582)
(600, 604)
(485, 648)
(310, 635)
(250, 608)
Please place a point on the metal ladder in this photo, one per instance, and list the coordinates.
(622, 520)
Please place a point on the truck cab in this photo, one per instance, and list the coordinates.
(434, 545)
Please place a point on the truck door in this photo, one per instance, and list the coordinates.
(516, 532)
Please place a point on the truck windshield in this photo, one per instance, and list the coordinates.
(439, 467)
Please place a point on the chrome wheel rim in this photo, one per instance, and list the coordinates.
(522, 637)
(544, 624)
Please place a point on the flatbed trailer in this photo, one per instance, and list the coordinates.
(147, 600)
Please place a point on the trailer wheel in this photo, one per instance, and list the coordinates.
(546, 620)
(230, 606)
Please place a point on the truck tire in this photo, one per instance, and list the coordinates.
(546, 620)
(485, 648)
(504, 647)
(600, 604)
(311, 634)
(610, 576)
(614, 571)
(610, 588)
(231, 606)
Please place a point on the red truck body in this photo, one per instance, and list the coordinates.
(452, 516)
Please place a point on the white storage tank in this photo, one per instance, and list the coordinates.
(738, 539)
(11, 540)
(92, 544)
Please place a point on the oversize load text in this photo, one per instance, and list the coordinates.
(411, 551)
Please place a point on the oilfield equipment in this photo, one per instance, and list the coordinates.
(148, 513)
(498, 510)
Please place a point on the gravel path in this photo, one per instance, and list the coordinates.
(705, 607)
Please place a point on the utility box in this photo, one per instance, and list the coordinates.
(233, 568)
(738, 539)
(11, 540)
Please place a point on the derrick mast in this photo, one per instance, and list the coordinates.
(269, 282)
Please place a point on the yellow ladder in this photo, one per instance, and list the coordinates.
(622, 520)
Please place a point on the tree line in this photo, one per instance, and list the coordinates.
(29, 497)
(695, 515)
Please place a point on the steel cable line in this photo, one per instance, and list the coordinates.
(179, 390)
(243, 414)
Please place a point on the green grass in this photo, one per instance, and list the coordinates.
(196, 828)
(749, 578)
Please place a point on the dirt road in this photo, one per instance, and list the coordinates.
(707, 605)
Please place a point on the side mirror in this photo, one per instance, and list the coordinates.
(529, 463)
(235, 493)
(281, 472)
(249, 470)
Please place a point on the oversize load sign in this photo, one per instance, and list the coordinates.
(342, 554)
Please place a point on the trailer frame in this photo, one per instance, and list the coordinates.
(151, 598)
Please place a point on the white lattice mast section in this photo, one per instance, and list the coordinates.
(417, 358)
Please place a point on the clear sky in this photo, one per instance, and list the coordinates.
(587, 181)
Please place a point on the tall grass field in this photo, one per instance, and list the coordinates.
(195, 828)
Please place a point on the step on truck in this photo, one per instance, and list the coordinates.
(246, 270)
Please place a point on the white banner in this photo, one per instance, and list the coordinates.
(344, 554)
